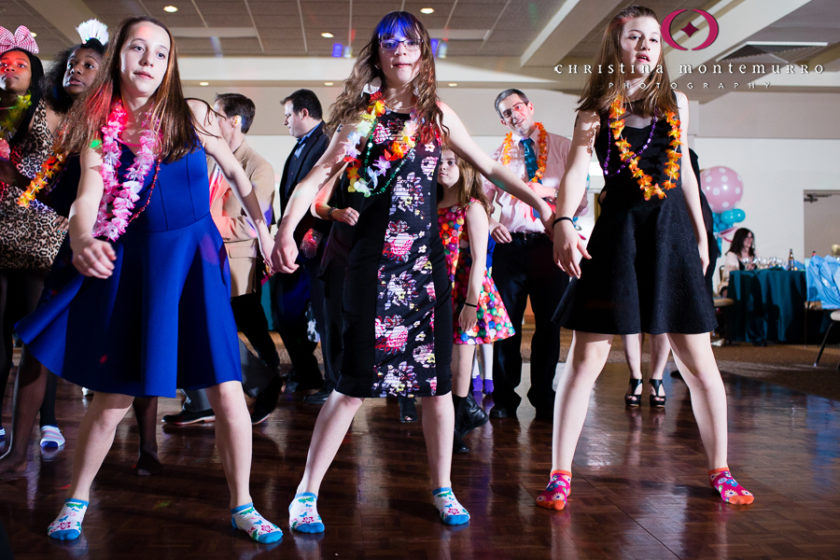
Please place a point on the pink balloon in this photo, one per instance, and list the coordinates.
(722, 186)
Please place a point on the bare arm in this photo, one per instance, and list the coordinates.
(321, 205)
(477, 228)
(567, 242)
(322, 173)
(91, 256)
(462, 144)
(690, 187)
(217, 148)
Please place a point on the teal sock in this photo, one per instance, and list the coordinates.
(451, 510)
(259, 528)
(303, 514)
(68, 525)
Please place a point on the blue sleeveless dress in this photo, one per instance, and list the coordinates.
(163, 319)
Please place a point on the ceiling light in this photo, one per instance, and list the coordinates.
(204, 83)
(170, 9)
(328, 83)
(427, 11)
(453, 84)
(327, 35)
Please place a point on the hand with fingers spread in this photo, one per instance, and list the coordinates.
(567, 245)
(93, 257)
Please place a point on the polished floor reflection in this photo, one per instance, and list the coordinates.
(639, 487)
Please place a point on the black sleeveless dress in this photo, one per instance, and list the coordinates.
(645, 273)
(396, 310)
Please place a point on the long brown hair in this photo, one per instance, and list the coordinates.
(603, 88)
(169, 109)
(469, 185)
(350, 104)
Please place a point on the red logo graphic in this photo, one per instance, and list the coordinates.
(690, 29)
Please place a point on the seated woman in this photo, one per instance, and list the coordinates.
(740, 256)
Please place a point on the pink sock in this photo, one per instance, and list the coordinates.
(557, 492)
(729, 489)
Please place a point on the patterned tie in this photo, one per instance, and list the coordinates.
(530, 157)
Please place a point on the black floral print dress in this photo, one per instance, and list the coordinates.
(396, 308)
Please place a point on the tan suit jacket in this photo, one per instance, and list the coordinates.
(239, 234)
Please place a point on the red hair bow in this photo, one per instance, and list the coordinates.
(22, 39)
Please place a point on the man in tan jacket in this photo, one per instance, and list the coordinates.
(236, 114)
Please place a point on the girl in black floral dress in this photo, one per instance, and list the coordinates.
(397, 321)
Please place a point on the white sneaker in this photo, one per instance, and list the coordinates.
(51, 437)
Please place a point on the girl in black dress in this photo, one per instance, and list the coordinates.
(644, 264)
(396, 310)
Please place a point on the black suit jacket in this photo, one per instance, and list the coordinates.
(295, 170)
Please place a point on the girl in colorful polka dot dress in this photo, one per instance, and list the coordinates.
(480, 315)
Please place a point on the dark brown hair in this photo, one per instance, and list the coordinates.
(469, 185)
(350, 104)
(169, 109)
(603, 88)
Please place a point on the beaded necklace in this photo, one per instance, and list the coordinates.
(49, 169)
(365, 176)
(630, 158)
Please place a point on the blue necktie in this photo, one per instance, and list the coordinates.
(530, 157)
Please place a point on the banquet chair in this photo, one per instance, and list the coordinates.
(823, 278)
(720, 304)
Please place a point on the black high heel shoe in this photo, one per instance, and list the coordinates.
(632, 398)
(657, 400)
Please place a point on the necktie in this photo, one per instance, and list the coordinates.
(530, 157)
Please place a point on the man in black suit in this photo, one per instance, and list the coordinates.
(294, 292)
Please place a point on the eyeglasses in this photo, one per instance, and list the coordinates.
(393, 44)
(519, 108)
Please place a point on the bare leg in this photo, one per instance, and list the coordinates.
(330, 428)
(659, 350)
(438, 431)
(145, 411)
(633, 353)
(587, 356)
(96, 435)
(694, 357)
(462, 361)
(233, 438)
(486, 357)
(29, 394)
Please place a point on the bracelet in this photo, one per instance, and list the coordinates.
(560, 219)
(471, 304)
(330, 211)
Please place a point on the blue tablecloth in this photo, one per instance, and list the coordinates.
(769, 306)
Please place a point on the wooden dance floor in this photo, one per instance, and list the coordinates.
(640, 489)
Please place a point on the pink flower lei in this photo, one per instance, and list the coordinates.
(118, 199)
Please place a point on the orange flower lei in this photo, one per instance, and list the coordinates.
(542, 142)
(48, 171)
(672, 166)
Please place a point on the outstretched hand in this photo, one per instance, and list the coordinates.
(567, 245)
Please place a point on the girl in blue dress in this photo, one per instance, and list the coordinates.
(150, 310)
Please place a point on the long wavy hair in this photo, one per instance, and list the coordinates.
(169, 109)
(603, 88)
(737, 244)
(35, 91)
(54, 91)
(469, 185)
(352, 101)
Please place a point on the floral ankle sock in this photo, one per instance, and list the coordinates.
(68, 525)
(729, 489)
(259, 528)
(303, 514)
(557, 492)
(451, 510)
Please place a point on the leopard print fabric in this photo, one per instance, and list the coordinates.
(30, 239)
(29, 154)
